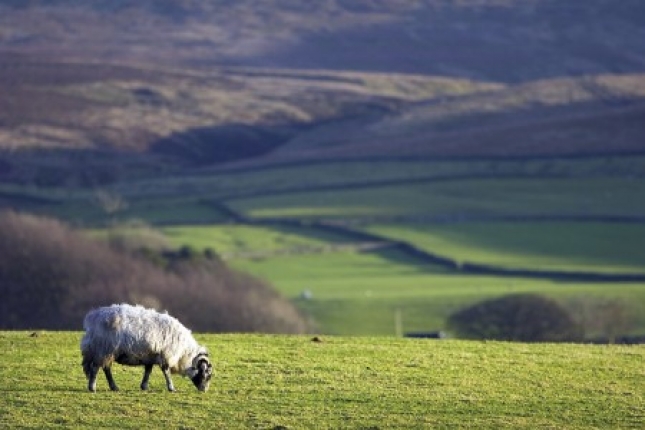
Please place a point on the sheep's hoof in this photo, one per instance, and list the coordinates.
(114, 388)
(144, 387)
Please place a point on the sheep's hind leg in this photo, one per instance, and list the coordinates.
(166, 373)
(108, 375)
(146, 377)
(91, 372)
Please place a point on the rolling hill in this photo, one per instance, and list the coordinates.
(558, 117)
(507, 41)
(218, 81)
(392, 124)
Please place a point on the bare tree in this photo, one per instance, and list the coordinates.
(602, 317)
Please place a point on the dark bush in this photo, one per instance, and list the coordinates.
(517, 317)
(51, 275)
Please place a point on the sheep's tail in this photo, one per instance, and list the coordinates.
(87, 354)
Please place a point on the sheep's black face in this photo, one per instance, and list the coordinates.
(202, 378)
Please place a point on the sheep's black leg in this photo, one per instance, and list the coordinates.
(91, 372)
(108, 374)
(166, 373)
(146, 377)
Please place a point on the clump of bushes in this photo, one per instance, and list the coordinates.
(516, 317)
(51, 275)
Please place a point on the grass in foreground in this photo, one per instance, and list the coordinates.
(292, 382)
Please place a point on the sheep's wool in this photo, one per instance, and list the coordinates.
(140, 334)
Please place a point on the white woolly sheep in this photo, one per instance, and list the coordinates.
(136, 336)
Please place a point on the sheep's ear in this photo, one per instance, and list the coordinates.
(191, 372)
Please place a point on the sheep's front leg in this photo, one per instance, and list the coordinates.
(166, 373)
(146, 377)
(108, 375)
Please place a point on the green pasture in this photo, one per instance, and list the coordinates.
(217, 184)
(563, 246)
(292, 382)
(359, 293)
(454, 200)
(175, 197)
(242, 240)
(590, 186)
(357, 290)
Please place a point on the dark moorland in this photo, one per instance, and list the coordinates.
(396, 78)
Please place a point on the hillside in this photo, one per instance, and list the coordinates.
(557, 117)
(404, 156)
(507, 41)
(215, 81)
(59, 104)
(230, 114)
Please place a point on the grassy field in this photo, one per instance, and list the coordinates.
(355, 292)
(430, 204)
(566, 246)
(443, 189)
(291, 382)
(359, 293)
(250, 241)
(454, 199)
(217, 183)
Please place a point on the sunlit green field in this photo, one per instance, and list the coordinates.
(453, 200)
(593, 186)
(249, 240)
(566, 246)
(359, 293)
(436, 189)
(459, 209)
(292, 382)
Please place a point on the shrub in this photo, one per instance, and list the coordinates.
(51, 275)
(601, 318)
(517, 317)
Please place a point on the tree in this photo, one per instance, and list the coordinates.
(516, 317)
(51, 275)
(601, 318)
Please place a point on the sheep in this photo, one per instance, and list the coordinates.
(136, 336)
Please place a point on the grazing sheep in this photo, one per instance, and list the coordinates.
(136, 336)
